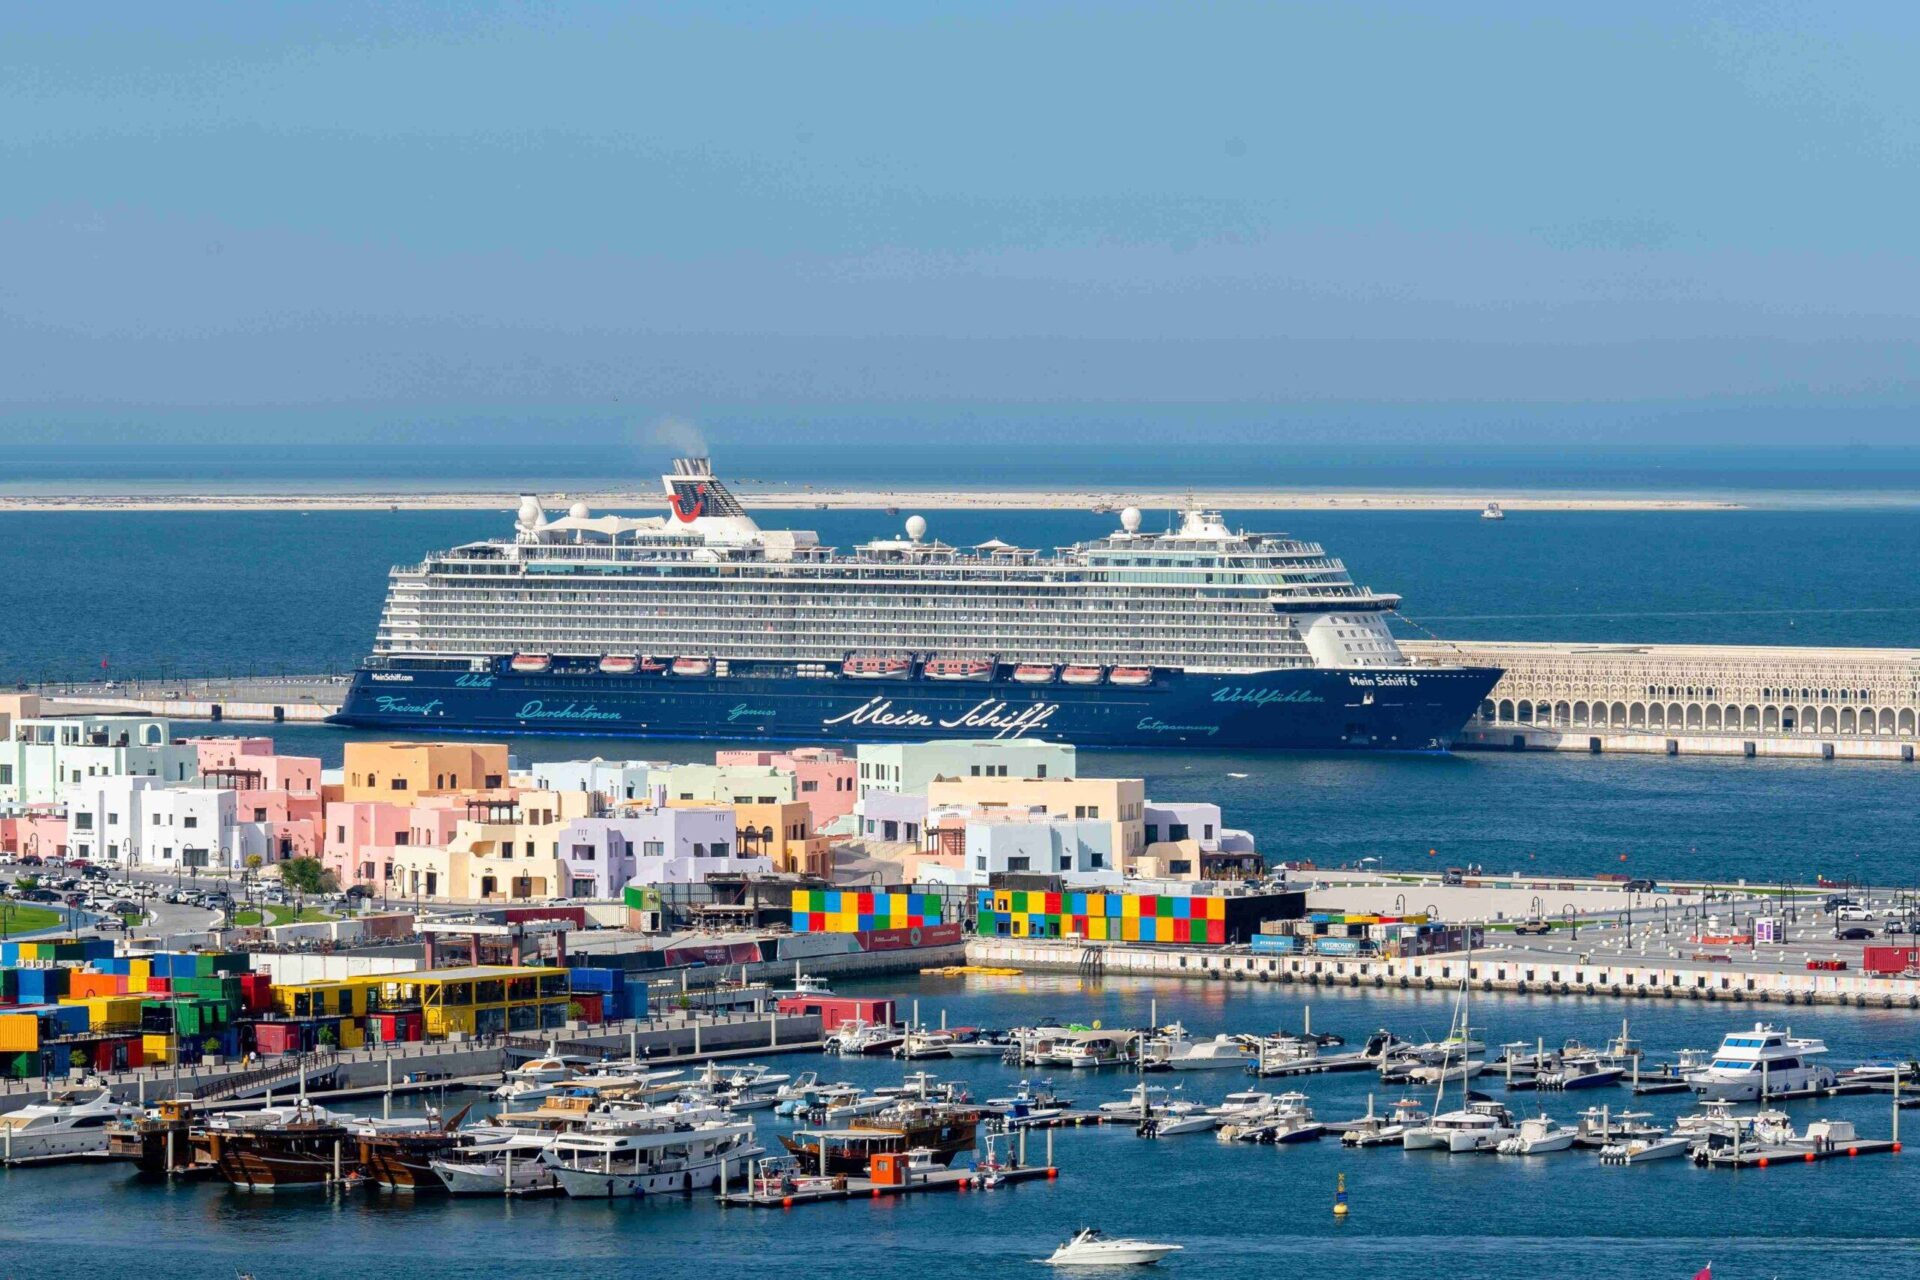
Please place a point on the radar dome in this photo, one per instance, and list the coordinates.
(578, 511)
(916, 527)
(1130, 519)
(529, 511)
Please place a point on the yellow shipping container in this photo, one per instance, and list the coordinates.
(1130, 925)
(1019, 926)
(158, 1050)
(1216, 908)
(1130, 909)
(1096, 904)
(141, 969)
(443, 1022)
(1097, 928)
(19, 1032)
(802, 900)
(352, 1034)
(1002, 901)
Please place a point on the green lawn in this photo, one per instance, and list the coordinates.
(23, 918)
(283, 915)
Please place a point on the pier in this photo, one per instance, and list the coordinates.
(1672, 700)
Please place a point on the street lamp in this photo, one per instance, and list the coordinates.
(1573, 919)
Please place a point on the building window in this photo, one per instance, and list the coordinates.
(493, 781)
(402, 837)
(719, 848)
(190, 821)
(652, 848)
(83, 822)
(1019, 864)
(809, 785)
(397, 784)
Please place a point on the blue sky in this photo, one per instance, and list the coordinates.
(1622, 224)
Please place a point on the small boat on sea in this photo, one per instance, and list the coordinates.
(1538, 1135)
(1089, 1248)
(511, 1166)
(1492, 511)
(1373, 1130)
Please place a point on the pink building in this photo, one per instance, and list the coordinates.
(824, 777)
(362, 835)
(40, 831)
(281, 791)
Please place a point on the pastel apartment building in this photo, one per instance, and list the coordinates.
(682, 845)
(782, 832)
(1186, 840)
(618, 782)
(43, 756)
(37, 832)
(1000, 841)
(283, 792)
(399, 772)
(728, 784)
(501, 850)
(824, 777)
(908, 768)
(1119, 802)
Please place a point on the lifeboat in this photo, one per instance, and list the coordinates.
(1130, 676)
(1033, 673)
(529, 663)
(958, 669)
(693, 666)
(1080, 675)
(652, 666)
(891, 667)
(619, 665)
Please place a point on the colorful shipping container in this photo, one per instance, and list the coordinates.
(851, 911)
(1179, 919)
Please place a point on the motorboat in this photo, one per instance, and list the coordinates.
(1172, 1050)
(1445, 1072)
(1580, 1072)
(1480, 1126)
(1538, 1135)
(1373, 1130)
(1177, 1118)
(511, 1166)
(71, 1122)
(1492, 511)
(1601, 1127)
(1757, 1064)
(1645, 1150)
(1141, 1100)
(805, 984)
(975, 1042)
(1289, 1120)
(649, 1159)
(534, 1079)
(1089, 1248)
(1245, 1102)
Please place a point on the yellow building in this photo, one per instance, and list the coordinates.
(400, 772)
(1119, 801)
(783, 833)
(507, 851)
(474, 1000)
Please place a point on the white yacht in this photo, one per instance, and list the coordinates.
(1645, 1150)
(649, 1159)
(1538, 1135)
(1492, 511)
(510, 1166)
(1482, 1126)
(71, 1122)
(1172, 1050)
(1088, 1248)
(1760, 1063)
(1288, 1120)
(1140, 1099)
(1177, 1118)
(1374, 1130)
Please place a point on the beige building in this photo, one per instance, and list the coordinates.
(400, 772)
(1120, 802)
(505, 850)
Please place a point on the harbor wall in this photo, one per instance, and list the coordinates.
(1623, 976)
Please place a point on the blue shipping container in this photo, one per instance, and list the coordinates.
(1275, 944)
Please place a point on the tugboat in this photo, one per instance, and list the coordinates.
(945, 1132)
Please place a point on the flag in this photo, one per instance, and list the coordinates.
(1704, 1273)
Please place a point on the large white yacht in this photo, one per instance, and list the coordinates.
(649, 1159)
(71, 1122)
(1761, 1063)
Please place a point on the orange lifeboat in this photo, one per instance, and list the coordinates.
(619, 665)
(1033, 673)
(693, 666)
(1130, 676)
(529, 663)
(958, 669)
(890, 667)
(1080, 675)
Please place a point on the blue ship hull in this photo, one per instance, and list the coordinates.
(1290, 709)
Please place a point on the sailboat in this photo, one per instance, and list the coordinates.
(1479, 1126)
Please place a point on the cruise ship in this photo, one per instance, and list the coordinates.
(701, 624)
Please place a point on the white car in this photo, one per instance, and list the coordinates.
(1854, 912)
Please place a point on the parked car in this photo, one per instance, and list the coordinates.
(1639, 886)
(1854, 912)
(124, 907)
(32, 860)
(1534, 926)
(41, 895)
(1853, 933)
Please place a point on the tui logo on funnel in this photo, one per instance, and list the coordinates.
(689, 514)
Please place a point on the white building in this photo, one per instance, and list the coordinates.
(617, 781)
(999, 842)
(905, 768)
(135, 821)
(601, 856)
(45, 755)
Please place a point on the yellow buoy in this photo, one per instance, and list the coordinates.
(1340, 1198)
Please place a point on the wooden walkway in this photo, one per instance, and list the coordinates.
(867, 1189)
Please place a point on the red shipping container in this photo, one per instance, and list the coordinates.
(160, 986)
(1149, 905)
(590, 1006)
(271, 1038)
(834, 1010)
(1217, 932)
(1053, 904)
(864, 903)
(1889, 960)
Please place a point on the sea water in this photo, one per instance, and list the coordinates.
(1240, 1210)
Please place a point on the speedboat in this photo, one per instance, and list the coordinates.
(71, 1122)
(1482, 1126)
(1088, 1248)
(1373, 1130)
(1537, 1136)
(511, 1166)
(1140, 1100)
(1600, 1127)
(1645, 1150)
(1171, 1050)
(1760, 1063)
(1177, 1118)
(1580, 1072)
(1290, 1120)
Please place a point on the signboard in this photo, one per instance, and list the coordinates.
(930, 935)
